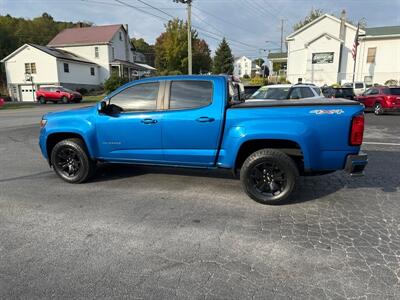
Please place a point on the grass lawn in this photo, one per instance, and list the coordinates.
(92, 99)
(17, 105)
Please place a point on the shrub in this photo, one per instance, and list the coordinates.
(258, 80)
(245, 76)
(391, 82)
(82, 91)
(114, 82)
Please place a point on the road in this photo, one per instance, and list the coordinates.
(159, 233)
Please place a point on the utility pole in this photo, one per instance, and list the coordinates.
(189, 24)
(282, 21)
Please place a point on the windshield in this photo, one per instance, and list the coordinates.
(275, 93)
(394, 91)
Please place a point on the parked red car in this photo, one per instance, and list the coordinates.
(381, 99)
(57, 94)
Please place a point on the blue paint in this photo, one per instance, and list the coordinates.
(178, 138)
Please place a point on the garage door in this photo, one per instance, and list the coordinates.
(27, 93)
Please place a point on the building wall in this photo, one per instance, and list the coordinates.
(387, 60)
(120, 47)
(46, 66)
(79, 73)
(303, 45)
(242, 66)
(88, 52)
(46, 70)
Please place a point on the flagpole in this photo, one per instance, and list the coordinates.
(355, 52)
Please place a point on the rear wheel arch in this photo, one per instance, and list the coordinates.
(289, 147)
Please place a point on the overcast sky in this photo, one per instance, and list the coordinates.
(247, 24)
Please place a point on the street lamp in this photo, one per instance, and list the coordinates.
(189, 17)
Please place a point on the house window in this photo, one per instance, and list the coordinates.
(120, 36)
(92, 71)
(112, 52)
(371, 55)
(30, 68)
(66, 68)
(96, 52)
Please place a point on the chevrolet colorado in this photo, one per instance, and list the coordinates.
(194, 121)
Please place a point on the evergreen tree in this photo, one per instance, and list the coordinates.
(223, 60)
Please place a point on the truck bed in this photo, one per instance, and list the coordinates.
(295, 102)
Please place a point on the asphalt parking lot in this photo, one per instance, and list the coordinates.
(137, 232)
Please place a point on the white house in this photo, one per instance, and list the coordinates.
(321, 52)
(245, 66)
(82, 57)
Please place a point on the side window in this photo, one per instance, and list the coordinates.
(306, 92)
(190, 94)
(140, 97)
(295, 93)
(317, 91)
(374, 92)
(368, 92)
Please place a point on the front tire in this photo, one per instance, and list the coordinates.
(268, 176)
(71, 161)
(42, 100)
(64, 100)
(378, 109)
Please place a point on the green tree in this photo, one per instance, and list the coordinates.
(145, 48)
(223, 60)
(171, 50)
(312, 15)
(259, 61)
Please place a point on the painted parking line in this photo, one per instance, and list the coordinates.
(386, 144)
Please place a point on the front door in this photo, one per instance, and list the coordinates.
(133, 135)
(192, 122)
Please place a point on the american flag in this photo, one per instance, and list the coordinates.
(356, 43)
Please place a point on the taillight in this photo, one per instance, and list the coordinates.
(357, 130)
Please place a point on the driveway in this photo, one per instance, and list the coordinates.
(161, 233)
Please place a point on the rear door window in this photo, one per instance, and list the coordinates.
(317, 91)
(190, 94)
(306, 92)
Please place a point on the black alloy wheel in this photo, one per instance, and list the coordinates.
(71, 162)
(268, 176)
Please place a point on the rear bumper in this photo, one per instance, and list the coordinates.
(356, 163)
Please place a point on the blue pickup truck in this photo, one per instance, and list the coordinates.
(201, 122)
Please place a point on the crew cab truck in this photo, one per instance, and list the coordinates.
(192, 121)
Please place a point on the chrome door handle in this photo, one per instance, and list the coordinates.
(205, 119)
(149, 121)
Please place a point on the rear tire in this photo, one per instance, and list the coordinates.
(64, 100)
(71, 161)
(378, 109)
(42, 100)
(268, 176)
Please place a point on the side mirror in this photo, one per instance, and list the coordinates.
(102, 106)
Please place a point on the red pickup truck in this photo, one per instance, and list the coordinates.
(381, 99)
(57, 94)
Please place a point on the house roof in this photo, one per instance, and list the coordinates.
(85, 35)
(316, 21)
(277, 55)
(380, 31)
(61, 54)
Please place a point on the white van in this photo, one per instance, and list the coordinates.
(358, 87)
